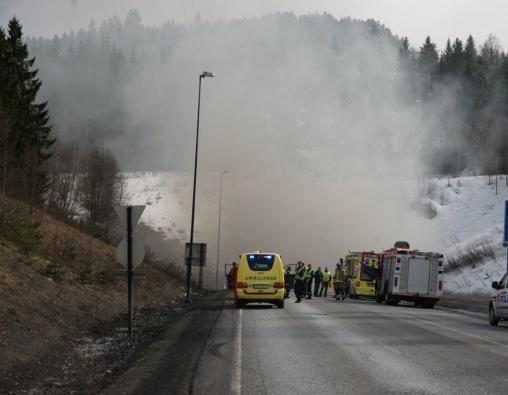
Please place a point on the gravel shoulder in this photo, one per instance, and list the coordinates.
(169, 364)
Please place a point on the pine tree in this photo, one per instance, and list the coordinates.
(470, 58)
(446, 59)
(470, 53)
(5, 87)
(406, 70)
(429, 57)
(28, 134)
(428, 62)
(457, 58)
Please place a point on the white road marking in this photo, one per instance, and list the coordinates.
(236, 377)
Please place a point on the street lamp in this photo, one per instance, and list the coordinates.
(204, 74)
(218, 232)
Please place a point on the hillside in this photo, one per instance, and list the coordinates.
(470, 220)
(54, 297)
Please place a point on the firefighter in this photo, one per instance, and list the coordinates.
(289, 279)
(299, 281)
(318, 280)
(339, 279)
(326, 281)
(309, 275)
(233, 275)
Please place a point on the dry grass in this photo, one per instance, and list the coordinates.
(38, 312)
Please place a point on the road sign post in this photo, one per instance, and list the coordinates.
(196, 256)
(129, 267)
(505, 238)
(130, 253)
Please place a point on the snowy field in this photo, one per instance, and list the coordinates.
(469, 215)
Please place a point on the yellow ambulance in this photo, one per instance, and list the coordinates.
(260, 279)
(362, 270)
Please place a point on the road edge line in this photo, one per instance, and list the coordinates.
(236, 378)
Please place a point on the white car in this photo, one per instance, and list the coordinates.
(498, 309)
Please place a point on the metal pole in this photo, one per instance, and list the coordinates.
(505, 237)
(129, 267)
(218, 234)
(189, 262)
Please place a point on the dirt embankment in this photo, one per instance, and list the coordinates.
(62, 309)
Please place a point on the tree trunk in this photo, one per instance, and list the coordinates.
(4, 126)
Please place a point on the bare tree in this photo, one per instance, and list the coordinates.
(62, 197)
(100, 185)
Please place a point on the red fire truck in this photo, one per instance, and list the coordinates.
(410, 275)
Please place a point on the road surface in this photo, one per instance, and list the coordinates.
(352, 347)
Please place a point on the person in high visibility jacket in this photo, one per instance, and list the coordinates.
(339, 279)
(327, 276)
(299, 281)
(309, 275)
(318, 281)
(289, 279)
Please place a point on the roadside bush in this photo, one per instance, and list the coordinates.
(85, 275)
(473, 254)
(55, 271)
(17, 227)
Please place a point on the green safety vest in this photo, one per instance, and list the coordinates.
(309, 272)
(300, 273)
(326, 276)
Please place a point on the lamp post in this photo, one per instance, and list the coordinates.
(204, 74)
(218, 232)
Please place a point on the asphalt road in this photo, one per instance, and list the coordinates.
(352, 347)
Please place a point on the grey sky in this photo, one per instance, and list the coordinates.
(414, 18)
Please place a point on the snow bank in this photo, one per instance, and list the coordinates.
(469, 213)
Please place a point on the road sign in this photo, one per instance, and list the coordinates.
(125, 273)
(136, 212)
(198, 254)
(138, 252)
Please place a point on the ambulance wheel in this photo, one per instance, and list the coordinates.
(493, 318)
(280, 304)
(240, 304)
(428, 305)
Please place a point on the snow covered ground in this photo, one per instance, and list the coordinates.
(469, 215)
